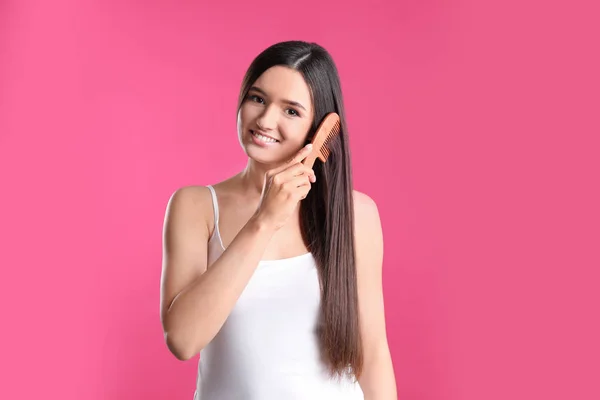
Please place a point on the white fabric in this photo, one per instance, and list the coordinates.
(267, 349)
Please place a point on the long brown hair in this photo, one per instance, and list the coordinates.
(327, 213)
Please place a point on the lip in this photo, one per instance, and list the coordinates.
(263, 133)
(259, 142)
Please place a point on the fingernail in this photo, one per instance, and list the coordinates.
(309, 146)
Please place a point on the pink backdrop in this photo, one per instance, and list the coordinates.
(474, 127)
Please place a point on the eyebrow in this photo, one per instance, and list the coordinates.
(290, 102)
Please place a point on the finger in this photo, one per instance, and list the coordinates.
(299, 182)
(296, 170)
(301, 155)
(305, 189)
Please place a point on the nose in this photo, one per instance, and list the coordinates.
(268, 119)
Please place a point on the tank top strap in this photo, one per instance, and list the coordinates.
(216, 211)
(215, 243)
(215, 205)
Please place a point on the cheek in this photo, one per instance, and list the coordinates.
(248, 113)
(243, 116)
(294, 133)
(304, 131)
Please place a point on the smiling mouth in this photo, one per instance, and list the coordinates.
(263, 138)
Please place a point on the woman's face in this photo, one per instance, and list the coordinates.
(276, 115)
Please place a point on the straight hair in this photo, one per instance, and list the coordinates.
(327, 213)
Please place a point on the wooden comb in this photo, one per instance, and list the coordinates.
(326, 132)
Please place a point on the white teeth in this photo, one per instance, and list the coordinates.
(264, 138)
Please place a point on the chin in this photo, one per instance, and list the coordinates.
(263, 156)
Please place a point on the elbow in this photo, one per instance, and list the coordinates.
(183, 350)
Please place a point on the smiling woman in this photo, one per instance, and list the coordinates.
(273, 112)
(274, 275)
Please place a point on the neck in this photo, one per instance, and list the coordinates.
(253, 177)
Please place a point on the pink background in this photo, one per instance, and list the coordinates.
(473, 126)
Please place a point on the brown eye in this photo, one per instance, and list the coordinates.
(256, 99)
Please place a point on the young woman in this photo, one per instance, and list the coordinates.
(274, 275)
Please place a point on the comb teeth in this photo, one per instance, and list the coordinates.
(335, 130)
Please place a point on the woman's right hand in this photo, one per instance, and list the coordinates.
(284, 188)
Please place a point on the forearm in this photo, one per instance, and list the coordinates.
(378, 381)
(197, 314)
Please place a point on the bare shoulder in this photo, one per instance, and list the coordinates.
(193, 205)
(190, 202)
(187, 196)
(362, 198)
(186, 221)
(367, 230)
(365, 210)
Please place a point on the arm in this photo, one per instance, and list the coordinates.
(377, 380)
(194, 301)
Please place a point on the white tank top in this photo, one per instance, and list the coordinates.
(267, 349)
